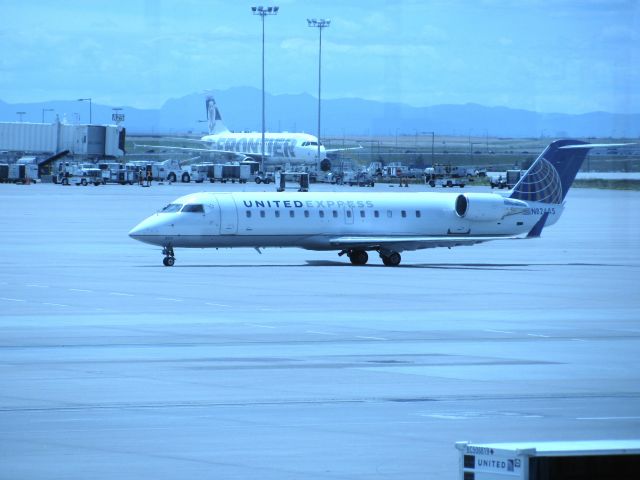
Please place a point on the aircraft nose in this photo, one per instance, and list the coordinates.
(146, 230)
(137, 231)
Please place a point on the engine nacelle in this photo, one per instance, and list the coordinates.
(486, 207)
(325, 165)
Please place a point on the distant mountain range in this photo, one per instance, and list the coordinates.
(241, 111)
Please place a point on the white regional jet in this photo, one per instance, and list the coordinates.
(357, 223)
(279, 148)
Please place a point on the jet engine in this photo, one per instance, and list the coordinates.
(325, 165)
(486, 207)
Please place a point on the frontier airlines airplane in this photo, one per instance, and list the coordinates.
(279, 148)
(357, 223)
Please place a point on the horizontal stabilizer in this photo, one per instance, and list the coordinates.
(598, 145)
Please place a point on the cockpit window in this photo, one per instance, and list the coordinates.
(193, 208)
(172, 207)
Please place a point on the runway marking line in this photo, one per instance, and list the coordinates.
(80, 290)
(371, 338)
(120, 294)
(259, 325)
(12, 299)
(537, 335)
(217, 304)
(34, 285)
(499, 331)
(578, 340)
(169, 299)
(322, 333)
(55, 304)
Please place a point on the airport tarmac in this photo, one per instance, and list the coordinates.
(295, 364)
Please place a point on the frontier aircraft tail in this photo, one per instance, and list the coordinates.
(215, 119)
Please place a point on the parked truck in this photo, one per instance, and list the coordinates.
(86, 176)
(170, 171)
(508, 180)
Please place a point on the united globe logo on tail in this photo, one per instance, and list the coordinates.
(540, 184)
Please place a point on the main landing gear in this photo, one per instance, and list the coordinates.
(391, 258)
(360, 257)
(169, 259)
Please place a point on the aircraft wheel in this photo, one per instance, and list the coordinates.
(83, 182)
(358, 257)
(392, 259)
(186, 178)
(168, 261)
(172, 177)
(258, 180)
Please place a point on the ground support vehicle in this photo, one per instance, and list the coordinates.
(170, 171)
(360, 179)
(434, 180)
(498, 182)
(87, 176)
(264, 177)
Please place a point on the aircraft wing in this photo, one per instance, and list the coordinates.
(330, 150)
(412, 242)
(165, 147)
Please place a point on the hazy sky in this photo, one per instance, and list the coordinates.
(565, 56)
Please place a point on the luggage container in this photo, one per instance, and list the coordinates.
(583, 460)
(4, 172)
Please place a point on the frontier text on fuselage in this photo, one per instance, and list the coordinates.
(277, 147)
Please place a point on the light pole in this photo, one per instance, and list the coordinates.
(433, 136)
(319, 24)
(263, 12)
(20, 114)
(46, 110)
(89, 100)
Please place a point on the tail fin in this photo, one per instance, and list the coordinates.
(214, 118)
(550, 176)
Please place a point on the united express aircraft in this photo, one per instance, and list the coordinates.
(279, 148)
(358, 223)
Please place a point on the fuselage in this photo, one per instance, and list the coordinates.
(293, 148)
(314, 220)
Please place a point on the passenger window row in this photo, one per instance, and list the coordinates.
(321, 213)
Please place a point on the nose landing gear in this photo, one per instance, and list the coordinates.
(169, 258)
